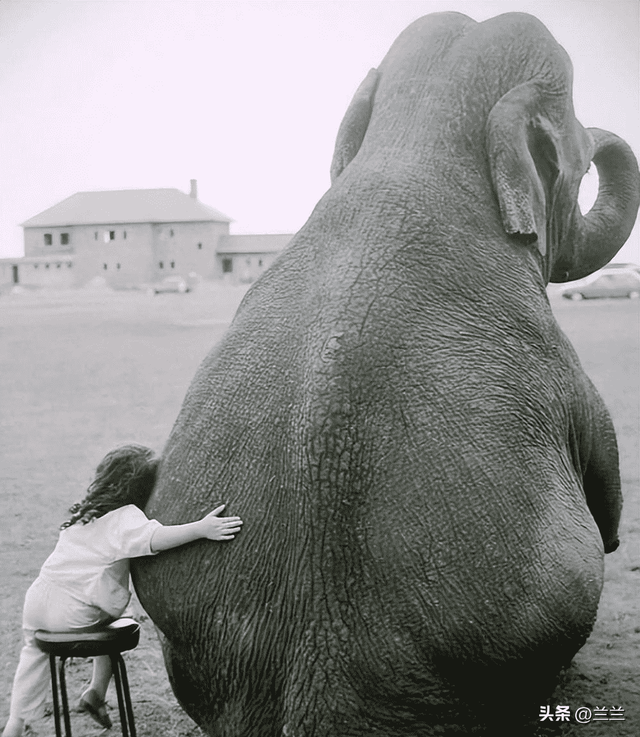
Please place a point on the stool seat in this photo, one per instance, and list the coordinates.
(117, 637)
(112, 640)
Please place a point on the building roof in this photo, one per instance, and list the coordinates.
(126, 206)
(269, 243)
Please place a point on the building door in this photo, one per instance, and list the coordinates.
(14, 269)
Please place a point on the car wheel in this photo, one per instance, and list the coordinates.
(634, 295)
(576, 296)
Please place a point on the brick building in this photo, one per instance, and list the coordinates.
(133, 237)
(242, 258)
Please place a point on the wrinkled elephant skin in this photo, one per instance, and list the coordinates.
(428, 480)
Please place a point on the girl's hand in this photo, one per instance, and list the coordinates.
(214, 527)
(211, 527)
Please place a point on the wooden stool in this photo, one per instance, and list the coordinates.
(111, 640)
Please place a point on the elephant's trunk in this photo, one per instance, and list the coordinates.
(599, 235)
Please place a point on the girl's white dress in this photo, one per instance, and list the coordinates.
(83, 583)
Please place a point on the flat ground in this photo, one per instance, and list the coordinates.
(83, 371)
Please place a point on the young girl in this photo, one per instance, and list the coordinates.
(84, 583)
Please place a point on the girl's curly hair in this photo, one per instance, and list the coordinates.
(126, 475)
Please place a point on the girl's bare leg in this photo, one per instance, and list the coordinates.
(13, 728)
(101, 675)
(92, 700)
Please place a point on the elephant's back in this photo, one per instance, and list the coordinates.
(364, 453)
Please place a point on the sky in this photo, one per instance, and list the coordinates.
(245, 97)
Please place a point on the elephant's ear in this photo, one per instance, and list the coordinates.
(524, 163)
(354, 124)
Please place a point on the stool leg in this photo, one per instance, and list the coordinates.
(54, 691)
(127, 697)
(124, 697)
(65, 699)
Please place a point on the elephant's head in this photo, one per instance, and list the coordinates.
(538, 154)
(503, 88)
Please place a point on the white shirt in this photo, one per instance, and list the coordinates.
(91, 562)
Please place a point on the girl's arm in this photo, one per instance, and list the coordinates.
(211, 527)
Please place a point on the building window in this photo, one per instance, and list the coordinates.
(104, 266)
(58, 266)
(173, 264)
(227, 265)
(260, 262)
(69, 264)
(171, 232)
(64, 239)
(161, 264)
(199, 246)
(47, 239)
(95, 235)
(46, 266)
(124, 234)
(35, 266)
(118, 266)
(112, 235)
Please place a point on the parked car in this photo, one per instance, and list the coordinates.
(616, 266)
(171, 284)
(612, 281)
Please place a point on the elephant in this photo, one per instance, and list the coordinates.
(427, 477)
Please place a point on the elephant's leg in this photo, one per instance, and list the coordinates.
(389, 690)
(184, 676)
(223, 694)
(598, 458)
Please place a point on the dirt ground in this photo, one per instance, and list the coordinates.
(83, 371)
